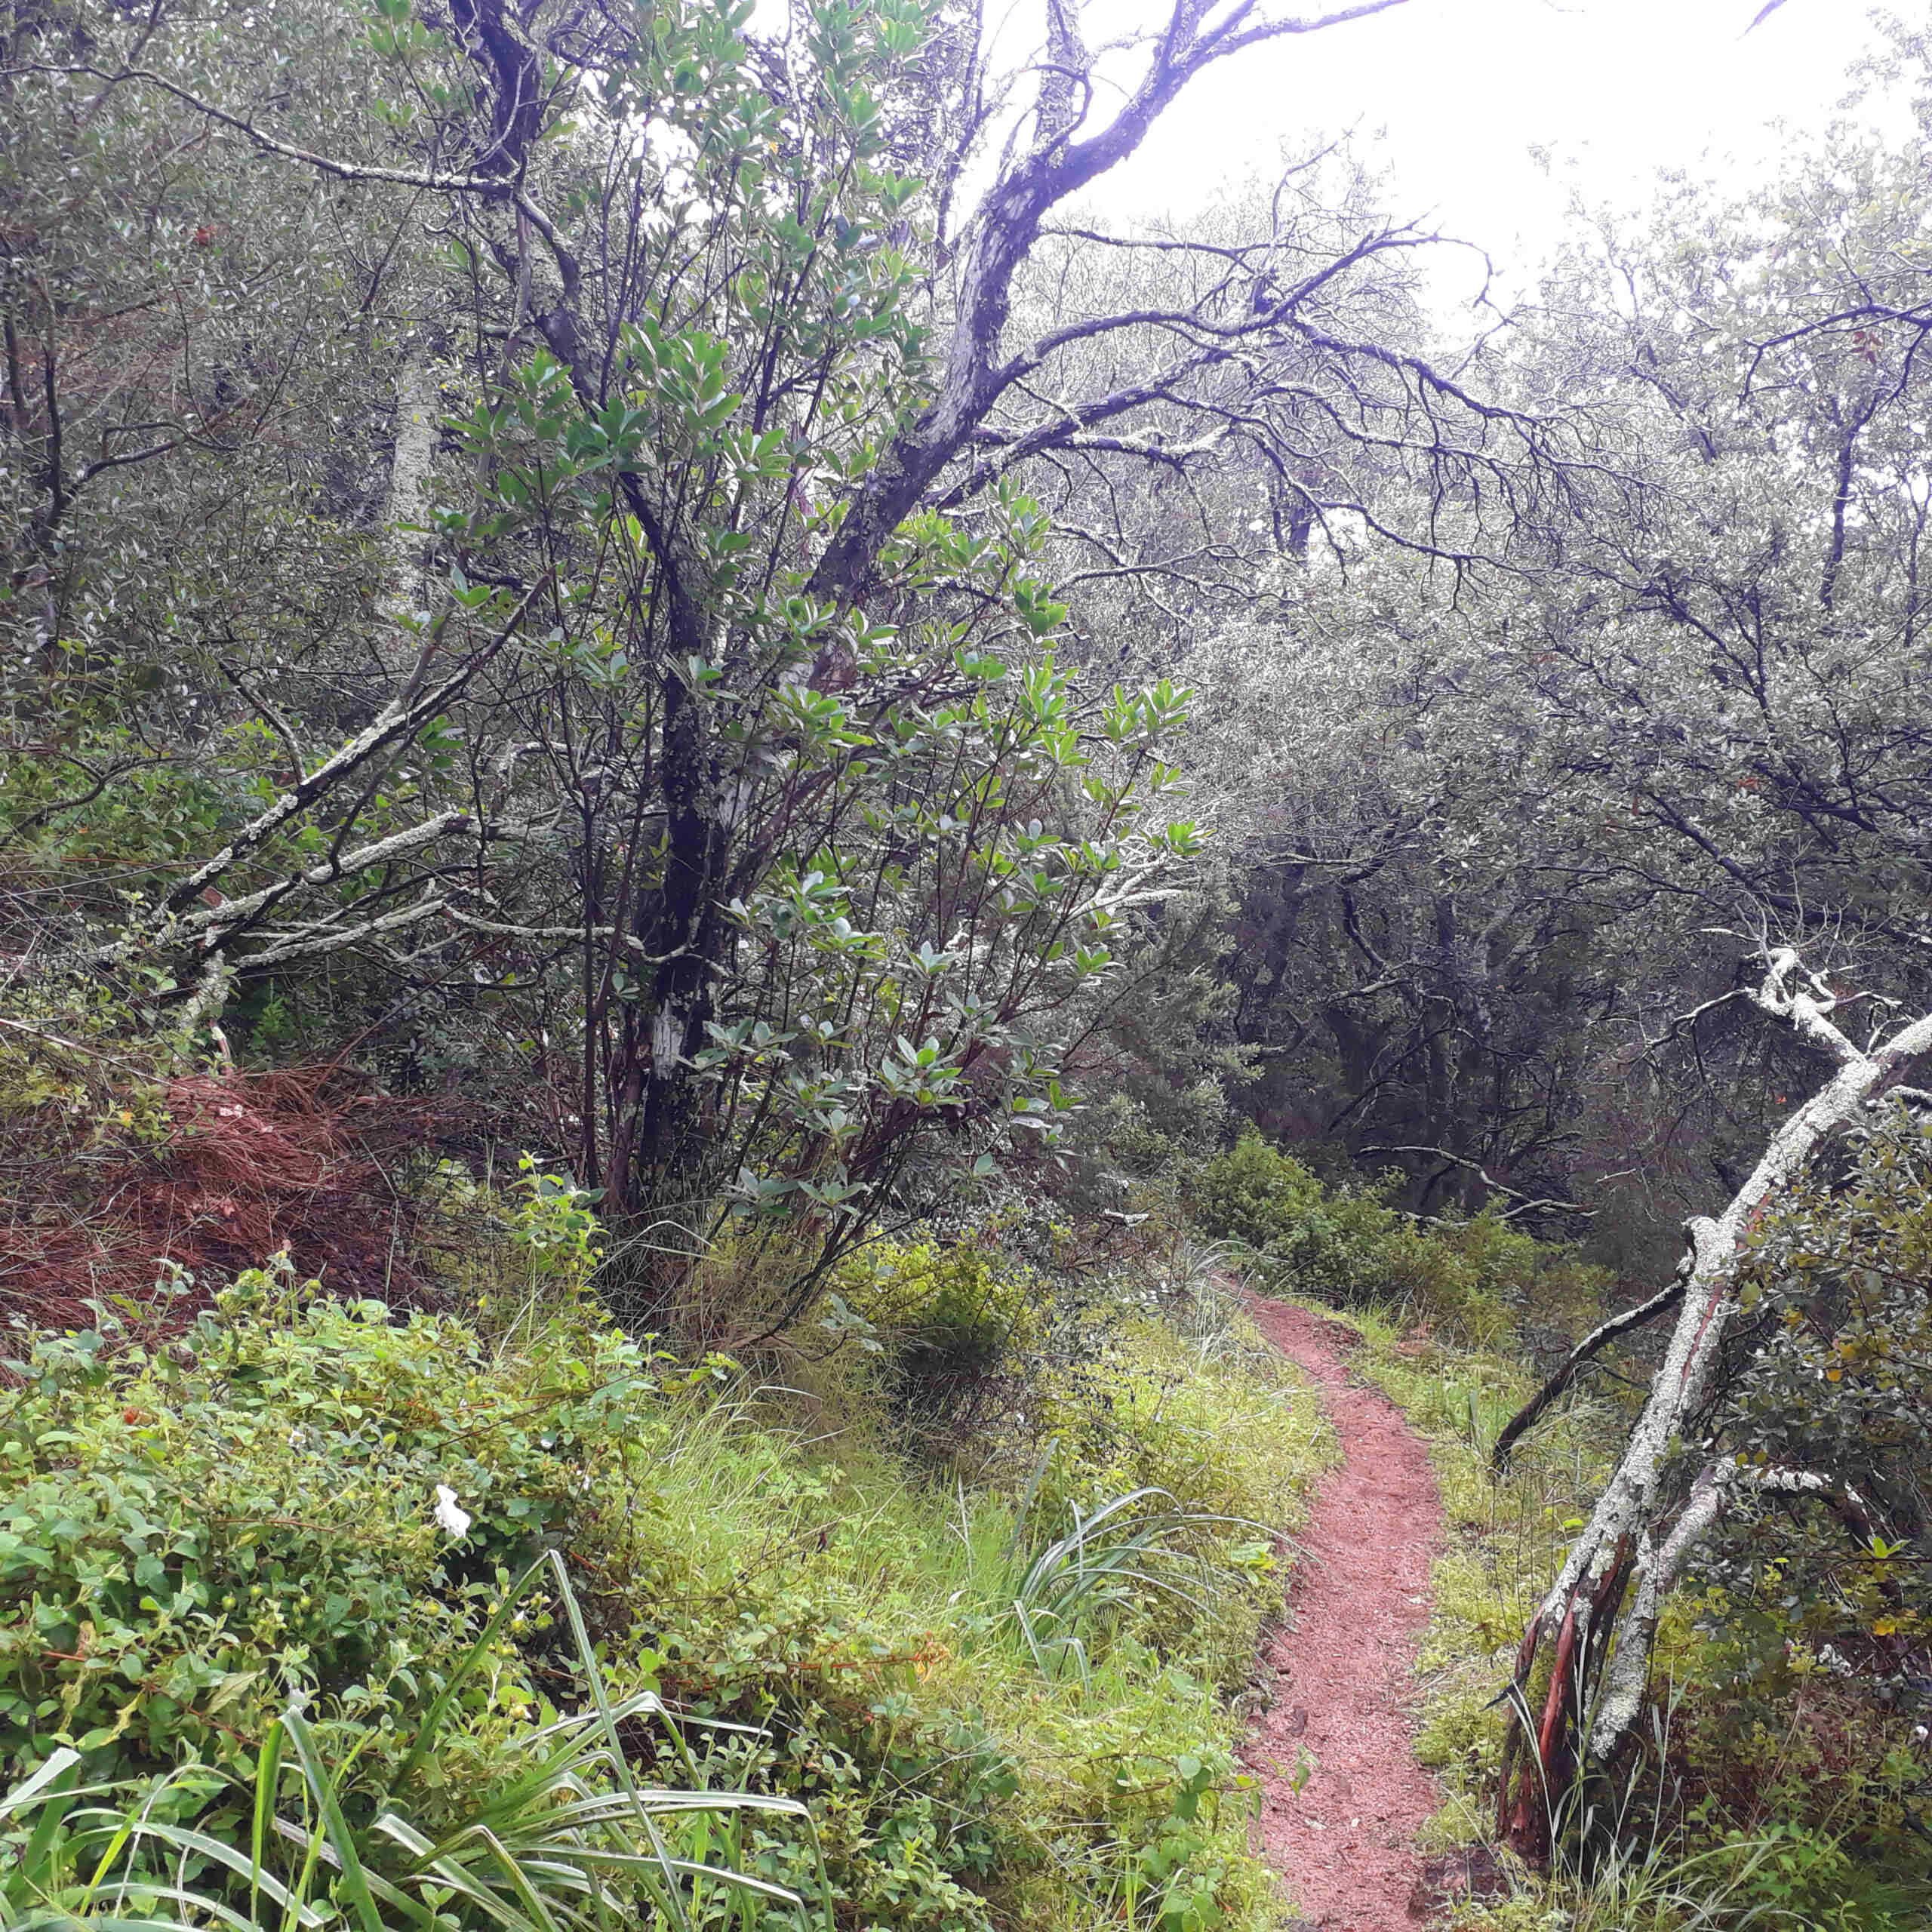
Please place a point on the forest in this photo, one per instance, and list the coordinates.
(877, 1053)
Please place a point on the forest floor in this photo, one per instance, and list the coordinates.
(1338, 1669)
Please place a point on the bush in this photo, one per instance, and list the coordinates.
(1782, 1784)
(944, 1319)
(872, 1638)
(193, 1532)
(1330, 1242)
(201, 1532)
(1346, 1245)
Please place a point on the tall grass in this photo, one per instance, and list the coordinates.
(1108, 1561)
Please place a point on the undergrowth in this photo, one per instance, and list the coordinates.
(1001, 1689)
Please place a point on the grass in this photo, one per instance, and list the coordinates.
(1095, 1628)
(1004, 1692)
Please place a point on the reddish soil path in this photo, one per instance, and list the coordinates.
(1339, 1670)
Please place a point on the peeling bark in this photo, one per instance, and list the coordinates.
(407, 509)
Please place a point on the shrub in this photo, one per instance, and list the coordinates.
(1781, 1786)
(1328, 1241)
(1346, 1245)
(193, 1532)
(944, 1318)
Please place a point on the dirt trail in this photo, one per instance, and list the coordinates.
(1358, 1599)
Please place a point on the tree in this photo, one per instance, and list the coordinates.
(738, 714)
(1695, 715)
(1691, 705)
(1581, 1672)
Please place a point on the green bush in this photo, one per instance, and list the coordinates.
(868, 1646)
(202, 1531)
(1346, 1245)
(193, 1532)
(944, 1321)
(1226, 1438)
(1779, 1788)
(1331, 1242)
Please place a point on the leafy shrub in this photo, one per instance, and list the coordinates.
(1780, 1790)
(945, 1318)
(869, 1641)
(1346, 1245)
(1839, 1383)
(193, 1532)
(563, 1824)
(1322, 1240)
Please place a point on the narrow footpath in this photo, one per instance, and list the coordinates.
(1338, 1670)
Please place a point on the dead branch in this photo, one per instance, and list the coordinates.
(1599, 1338)
(1639, 1535)
(1527, 1204)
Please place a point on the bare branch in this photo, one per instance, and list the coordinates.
(1625, 1323)
(1528, 1203)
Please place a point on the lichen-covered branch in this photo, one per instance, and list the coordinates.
(1642, 1528)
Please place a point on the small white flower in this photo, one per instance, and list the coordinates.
(456, 1521)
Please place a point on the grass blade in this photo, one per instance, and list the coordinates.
(340, 1836)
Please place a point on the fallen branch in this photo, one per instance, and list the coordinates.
(1527, 1204)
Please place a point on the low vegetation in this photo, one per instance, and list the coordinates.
(462, 1586)
(470, 1608)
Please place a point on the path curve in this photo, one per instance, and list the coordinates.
(1338, 1671)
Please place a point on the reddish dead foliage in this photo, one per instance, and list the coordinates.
(250, 1164)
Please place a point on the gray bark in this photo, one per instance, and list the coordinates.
(1630, 1554)
(418, 406)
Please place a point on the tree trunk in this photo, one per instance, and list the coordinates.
(417, 407)
(1593, 1631)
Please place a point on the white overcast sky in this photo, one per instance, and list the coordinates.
(1451, 97)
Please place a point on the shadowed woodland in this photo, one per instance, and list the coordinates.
(714, 811)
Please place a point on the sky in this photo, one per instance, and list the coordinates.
(1452, 98)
